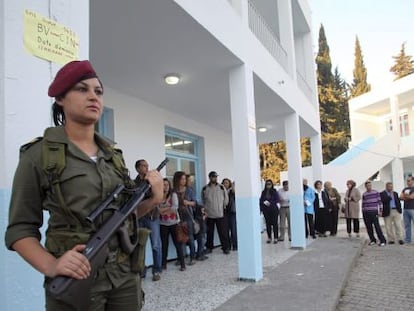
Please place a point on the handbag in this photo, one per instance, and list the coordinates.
(196, 224)
(182, 232)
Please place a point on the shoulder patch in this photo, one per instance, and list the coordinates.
(25, 147)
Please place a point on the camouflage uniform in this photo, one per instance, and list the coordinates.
(84, 184)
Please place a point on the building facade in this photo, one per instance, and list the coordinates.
(383, 122)
(242, 64)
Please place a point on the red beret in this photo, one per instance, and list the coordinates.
(69, 75)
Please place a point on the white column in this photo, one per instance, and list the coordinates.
(397, 174)
(397, 164)
(395, 116)
(247, 173)
(286, 34)
(294, 159)
(242, 7)
(317, 160)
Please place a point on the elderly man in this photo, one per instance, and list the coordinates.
(391, 212)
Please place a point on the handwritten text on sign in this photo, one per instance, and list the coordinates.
(49, 40)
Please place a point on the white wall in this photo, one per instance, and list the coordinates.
(140, 129)
(364, 125)
(24, 113)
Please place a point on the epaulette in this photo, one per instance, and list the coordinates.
(25, 147)
(117, 150)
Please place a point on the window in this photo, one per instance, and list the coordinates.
(404, 126)
(105, 125)
(388, 125)
(183, 152)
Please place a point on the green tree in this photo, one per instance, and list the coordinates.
(323, 59)
(403, 65)
(333, 104)
(359, 85)
(273, 158)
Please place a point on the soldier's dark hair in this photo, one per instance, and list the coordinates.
(58, 114)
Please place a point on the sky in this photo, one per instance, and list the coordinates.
(381, 26)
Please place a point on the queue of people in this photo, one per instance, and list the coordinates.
(69, 171)
(322, 204)
(180, 207)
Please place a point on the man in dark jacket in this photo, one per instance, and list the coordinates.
(392, 214)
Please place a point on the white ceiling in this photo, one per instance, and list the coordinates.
(133, 44)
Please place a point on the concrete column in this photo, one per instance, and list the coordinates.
(397, 174)
(395, 116)
(247, 173)
(397, 164)
(286, 34)
(242, 8)
(317, 159)
(294, 159)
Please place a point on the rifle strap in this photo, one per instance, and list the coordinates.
(53, 164)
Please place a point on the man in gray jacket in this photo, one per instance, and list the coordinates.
(215, 199)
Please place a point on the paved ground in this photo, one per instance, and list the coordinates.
(207, 284)
(310, 280)
(333, 273)
(382, 280)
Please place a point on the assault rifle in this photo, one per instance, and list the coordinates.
(77, 292)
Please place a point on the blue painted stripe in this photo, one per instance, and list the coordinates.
(21, 284)
(249, 239)
(353, 152)
(297, 221)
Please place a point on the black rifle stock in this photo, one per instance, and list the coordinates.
(76, 292)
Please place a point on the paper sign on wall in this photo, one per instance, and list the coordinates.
(48, 39)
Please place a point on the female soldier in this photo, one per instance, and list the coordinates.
(89, 169)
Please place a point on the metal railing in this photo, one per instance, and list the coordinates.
(266, 36)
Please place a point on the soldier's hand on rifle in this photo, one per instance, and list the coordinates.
(73, 264)
(157, 186)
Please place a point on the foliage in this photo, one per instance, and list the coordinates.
(359, 85)
(403, 65)
(333, 104)
(334, 115)
(273, 158)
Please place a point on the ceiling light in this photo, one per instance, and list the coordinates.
(262, 129)
(172, 79)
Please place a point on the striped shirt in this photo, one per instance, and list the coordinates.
(371, 201)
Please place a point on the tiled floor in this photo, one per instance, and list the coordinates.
(207, 284)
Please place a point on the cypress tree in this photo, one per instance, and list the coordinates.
(323, 59)
(333, 104)
(359, 85)
(403, 65)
